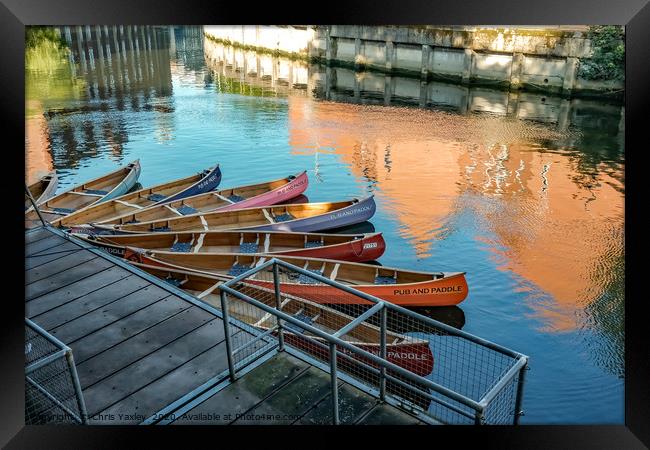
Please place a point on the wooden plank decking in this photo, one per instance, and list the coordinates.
(140, 345)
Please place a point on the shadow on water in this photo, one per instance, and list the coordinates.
(363, 227)
(450, 315)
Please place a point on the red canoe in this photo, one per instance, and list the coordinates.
(343, 247)
(399, 286)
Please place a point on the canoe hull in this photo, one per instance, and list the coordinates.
(361, 250)
(450, 290)
(350, 215)
(367, 248)
(51, 180)
(206, 184)
(287, 192)
(414, 357)
(447, 291)
(125, 185)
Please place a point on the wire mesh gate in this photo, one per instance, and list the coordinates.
(405, 358)
(52, 390)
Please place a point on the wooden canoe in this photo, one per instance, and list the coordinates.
(204, 181)
(42, 190)
(303, 217)
(344, 247)
(98, 190)
(411, 353)
(399, 286)
(260, 194)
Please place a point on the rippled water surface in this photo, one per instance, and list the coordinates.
(524, 193)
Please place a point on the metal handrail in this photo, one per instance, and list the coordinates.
(340, 342)
(63, 350)
(335, 342)
(371, 298)
(38, 211)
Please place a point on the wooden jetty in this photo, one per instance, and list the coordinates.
(147, 352)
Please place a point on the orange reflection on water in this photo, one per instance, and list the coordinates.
(542, 215)
(38, 160)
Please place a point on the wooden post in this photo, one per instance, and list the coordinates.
(424, 68)
(357, 51)
(516, 69)
(390, 53)
(388, 89)
(423, 93)
(464, 105)
(328, 82)
(513, 104)
(570, 75)
(357, 88)
(328, 44)
(467, 69)
(563, 115)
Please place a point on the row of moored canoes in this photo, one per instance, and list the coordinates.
(196, 235)
(188, 223)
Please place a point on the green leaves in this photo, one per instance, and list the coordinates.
(608, 58)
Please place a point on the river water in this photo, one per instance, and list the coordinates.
(524, 192)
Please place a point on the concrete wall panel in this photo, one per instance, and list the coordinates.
(492, 66)
(345, 50)
(408, 57)
(543, 71)
(447, 61)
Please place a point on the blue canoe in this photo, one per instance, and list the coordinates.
(303, 217)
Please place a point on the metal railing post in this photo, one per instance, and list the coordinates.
(382, 353)
(479, 416)
(278, 299)
(81, 404)
(335, 391)
(38, 211)
(520, 393)
(226, 328)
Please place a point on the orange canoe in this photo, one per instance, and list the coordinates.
(398, 286)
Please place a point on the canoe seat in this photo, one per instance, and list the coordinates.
(185, 210)
(156, 197)
(385, 280)
(63, 210)
(312, 244)
(238, 269)
(95, 191)
(160, 229)
(181, 247)
(235, 198)
(132, 221)
(295, 328)
(248, 247)
(283, 217)
(304, 279)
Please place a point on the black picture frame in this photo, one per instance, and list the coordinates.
(16, 14)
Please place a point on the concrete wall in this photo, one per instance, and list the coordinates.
(535, 59)
(283, 39)
(297, 77)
